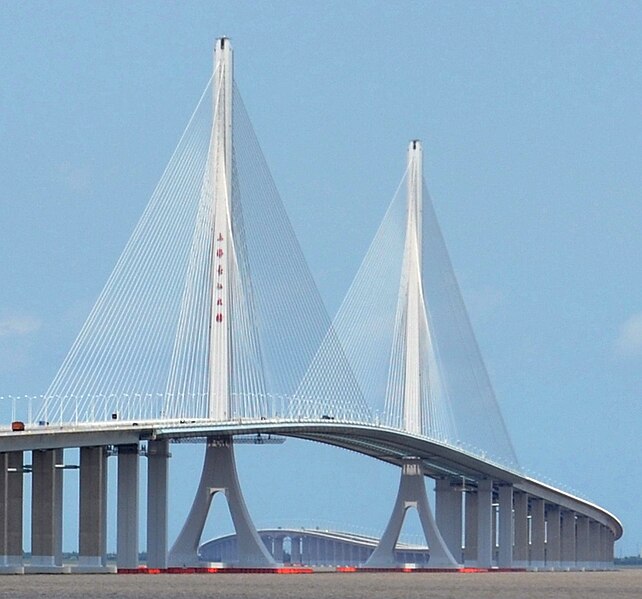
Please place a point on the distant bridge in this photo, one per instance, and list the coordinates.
(313, 547)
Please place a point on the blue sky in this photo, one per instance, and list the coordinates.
(531, 117)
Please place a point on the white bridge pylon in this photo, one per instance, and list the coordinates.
(417, 352)
(221, 174)
(411, 279)
(219, 467)
(414, 378)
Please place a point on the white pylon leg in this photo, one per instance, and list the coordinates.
(412, 493)
(219, 407)
(219, 475)
(412, 408)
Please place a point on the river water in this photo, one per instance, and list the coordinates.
(623, 584)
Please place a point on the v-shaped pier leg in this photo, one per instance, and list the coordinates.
(412, 493)
(219, 476)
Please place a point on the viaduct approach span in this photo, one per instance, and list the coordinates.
(211, 327)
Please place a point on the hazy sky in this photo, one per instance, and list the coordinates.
(531, 117)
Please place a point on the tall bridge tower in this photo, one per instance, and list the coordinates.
(222, 242)
(411, 280)
(414, 348)
(219, 473)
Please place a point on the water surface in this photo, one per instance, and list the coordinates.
(624, 584)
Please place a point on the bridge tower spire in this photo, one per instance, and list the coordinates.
(415, 310)
(219, 407)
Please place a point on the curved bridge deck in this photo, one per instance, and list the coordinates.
(380, 442)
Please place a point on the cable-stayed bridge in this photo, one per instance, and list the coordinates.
(211, 326)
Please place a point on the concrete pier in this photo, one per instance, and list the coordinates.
(127, 507)
(568, 559)
(59, 478)
(412, 493)
(607, 547)
(448, 513)
(157, 473)
(4, 464)
(553, 537)
(538, 533)
(46, 511)
(595, 542)
(506, 527)
(485, 539)
(278, 550)
(92, 531)
(219, 475)
(521, 548)
(470, 533)
(14, 510)
(582, 541)
(295, 554)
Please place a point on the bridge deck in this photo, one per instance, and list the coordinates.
(380, 442)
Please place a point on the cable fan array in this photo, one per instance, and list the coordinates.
(125, 346)
(458, 406)
(144, 350)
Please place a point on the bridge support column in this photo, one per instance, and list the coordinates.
(608, 548)
(363, 554)
(412, 493)
(448, 513)
(322, 549)
(59, 478)
(127, 507)
(4, 465)
(601, 553)
(306, 551)
(538, 534)
(494, 546)
(46, 511)
(296, 550)
(310, 551)
(520, 551)
(485, 540)
(553, 537)
(219, 475)
(268, 541)
(278, 549)
(157, 474)
(594, 544)
(567, 558)
(13, 512)
(602, 548)
(4, 508)
(506, 527)
(92, 529)
(582, 541)
(470, 532)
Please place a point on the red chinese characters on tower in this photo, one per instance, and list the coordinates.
(219, 286)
